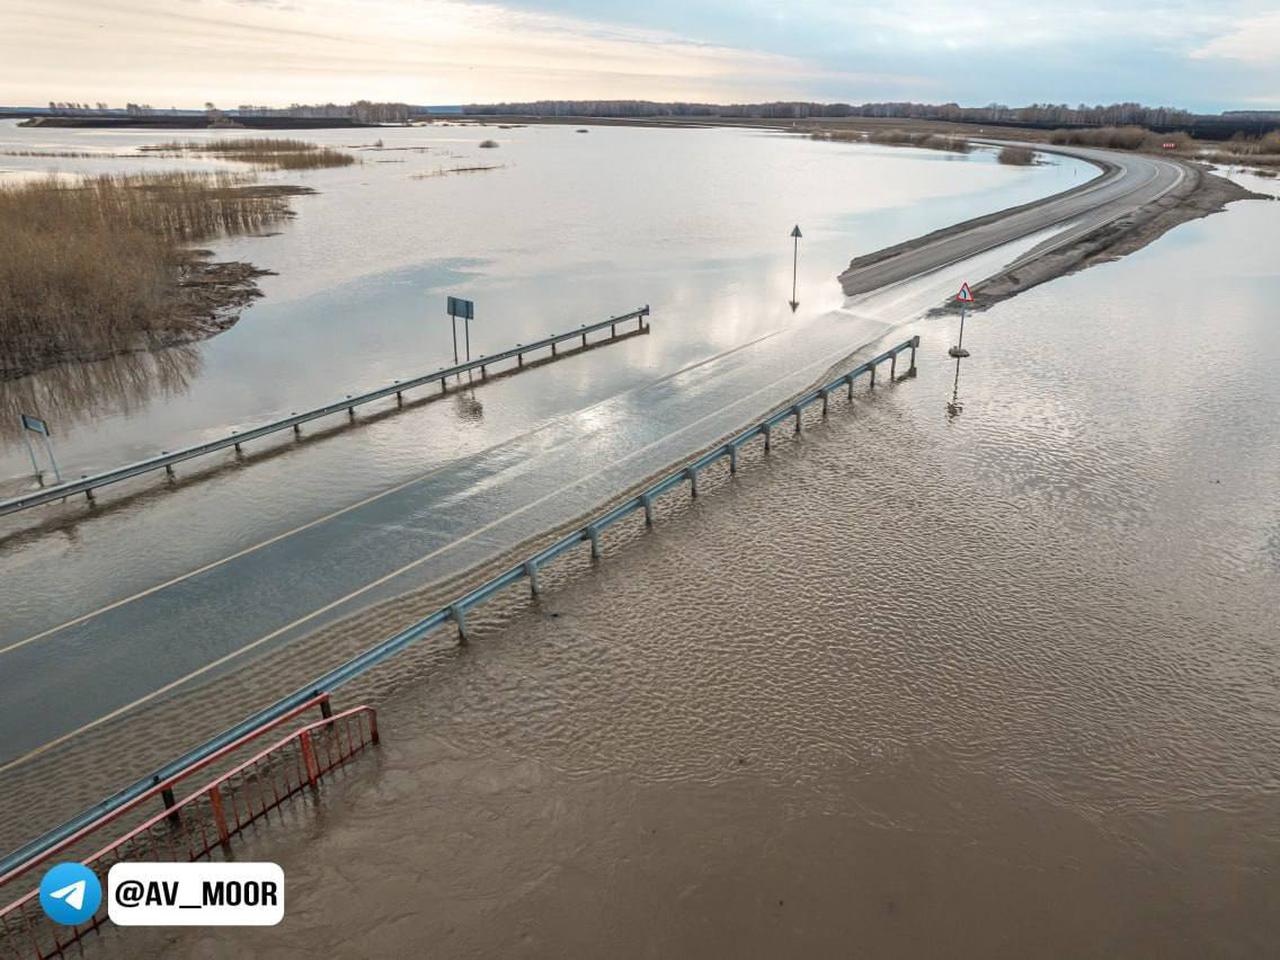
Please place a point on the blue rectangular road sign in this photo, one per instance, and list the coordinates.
(465, 309)
(34, 424)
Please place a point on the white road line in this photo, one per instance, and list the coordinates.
(339, 512)
(160, 691)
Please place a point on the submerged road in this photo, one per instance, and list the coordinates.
(85, 666)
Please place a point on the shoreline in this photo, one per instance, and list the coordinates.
(1201, 194)
(209, 297)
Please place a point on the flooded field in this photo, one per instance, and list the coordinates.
(245, 553)
(986, 665)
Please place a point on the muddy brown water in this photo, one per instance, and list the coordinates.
(1000, 683)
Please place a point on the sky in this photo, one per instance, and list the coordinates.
(1207, 55)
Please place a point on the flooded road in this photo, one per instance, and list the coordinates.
(987, 670)
(260, 550)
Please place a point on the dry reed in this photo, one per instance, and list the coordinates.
(91, 267)
(265, 153)
(1016, 156)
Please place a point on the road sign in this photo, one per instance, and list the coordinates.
(34, 424)
(466, 309)
(795, 264)
(965, 295)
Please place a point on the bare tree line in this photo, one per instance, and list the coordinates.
(1039, 114)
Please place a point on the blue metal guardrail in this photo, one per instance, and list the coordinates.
(456, 609)
(166, 460)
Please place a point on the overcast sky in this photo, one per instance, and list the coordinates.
(1207, 55)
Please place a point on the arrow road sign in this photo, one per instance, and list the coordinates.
(795, 264)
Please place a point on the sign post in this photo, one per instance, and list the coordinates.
(965, 296)
(36, 425)
(795, 264)
(466, 309)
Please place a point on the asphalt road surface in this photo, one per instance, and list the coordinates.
(89, 661)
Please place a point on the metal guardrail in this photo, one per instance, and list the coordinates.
(165, 461)
(159, 786)
(456, 609)
(202, 821)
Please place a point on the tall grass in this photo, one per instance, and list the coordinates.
(265, 153)
(896, 137)
(91, 267)
(1016, 156)
(1261, 151)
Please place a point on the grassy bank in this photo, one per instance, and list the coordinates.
(896, 137)
(264, 153)
(1239, 151)
(91, 268)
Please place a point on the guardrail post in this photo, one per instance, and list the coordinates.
(733, 458)
(170, 803)
(849, 380)
(647, 500)
(444, 387)
(460, 618)
(483, 374)
(531, 571)
(236, 445)
(219, 817)
(915, 342)
(873, 376)
(297, 427)
(309, 757)
(613, 330)
(88, 494)
(584, 339)
(768, 433)
(519, 358)
(824, 403)
(797, 411)
(893, 368)
(168, 467)
(594, 536)
(553, 348)
(692, 474)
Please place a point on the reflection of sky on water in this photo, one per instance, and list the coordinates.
(573, 228)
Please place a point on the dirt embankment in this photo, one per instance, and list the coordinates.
(1200, 194)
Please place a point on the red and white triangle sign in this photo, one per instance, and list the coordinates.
(965, 295)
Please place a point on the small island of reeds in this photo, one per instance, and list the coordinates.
(264, 153)
(104, 265)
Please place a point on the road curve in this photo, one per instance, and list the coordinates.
(1128, 182)
(101, 663)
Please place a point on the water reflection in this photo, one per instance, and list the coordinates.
(466, 404)
(954, 406)
(77, 393)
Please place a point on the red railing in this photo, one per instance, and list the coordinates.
(202, 822)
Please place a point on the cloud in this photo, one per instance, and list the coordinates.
(1255, 40)
(422, 51)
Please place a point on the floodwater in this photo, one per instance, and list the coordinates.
(571, 227)
(986, 665)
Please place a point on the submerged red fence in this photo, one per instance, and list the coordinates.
(197, 825)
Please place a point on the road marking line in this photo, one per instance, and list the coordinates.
(360, 503)
(119, 711)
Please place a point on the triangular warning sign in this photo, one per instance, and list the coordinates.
(965, 295)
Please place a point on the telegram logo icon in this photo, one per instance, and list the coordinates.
(70, 893)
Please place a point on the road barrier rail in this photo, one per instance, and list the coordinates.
(41, 848)
(166, 460)
(203, 821)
